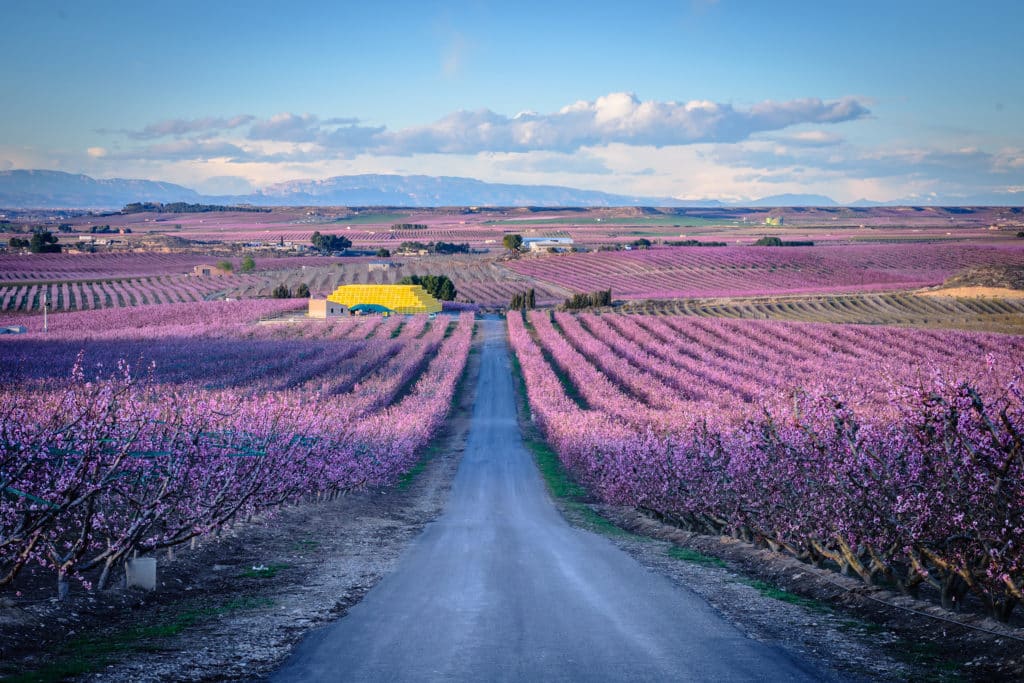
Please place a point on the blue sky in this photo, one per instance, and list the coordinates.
(693, 99)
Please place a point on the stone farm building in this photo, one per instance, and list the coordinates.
(206, 270)
(322, 308)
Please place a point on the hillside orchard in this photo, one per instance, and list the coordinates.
(672, 272)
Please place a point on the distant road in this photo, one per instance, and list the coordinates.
(501, 588)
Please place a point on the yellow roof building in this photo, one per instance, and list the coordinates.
(398, 298)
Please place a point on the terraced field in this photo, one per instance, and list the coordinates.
(876, 308)
(76, 282)
(114, 292)
(667, 272)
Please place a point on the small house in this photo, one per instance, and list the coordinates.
(325, 308)
(206, 270)
(540, 244)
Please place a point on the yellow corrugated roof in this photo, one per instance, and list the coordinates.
(399, 298)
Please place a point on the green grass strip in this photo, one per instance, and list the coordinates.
(570, 494)
(694, 556)
(770, 591)
(263, 571)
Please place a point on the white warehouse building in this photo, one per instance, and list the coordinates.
(546, 243)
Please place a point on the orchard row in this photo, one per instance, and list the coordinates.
(894, 454)
(216, 420)
(678, 272)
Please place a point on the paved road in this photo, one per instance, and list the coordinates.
(501, 588)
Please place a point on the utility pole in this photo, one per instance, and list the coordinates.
(46, 304)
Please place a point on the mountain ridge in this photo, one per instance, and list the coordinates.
(46, 189)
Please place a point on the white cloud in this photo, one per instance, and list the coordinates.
(616, 143)
(613, 118)
(189, 148)
(286, 126)
(740, 171)
(182, 127)
(809, 138)
(1009, 159)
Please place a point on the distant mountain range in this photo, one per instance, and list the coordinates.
(58, 190)
(421, 190)
(35, 189)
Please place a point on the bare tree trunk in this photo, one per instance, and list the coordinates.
(105, 574)
(62, 584)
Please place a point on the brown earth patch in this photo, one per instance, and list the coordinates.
(976, 292)
(1009, 277)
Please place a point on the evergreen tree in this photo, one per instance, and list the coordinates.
(329, 243)
(439, 286)
(512, 242)
(43, 242)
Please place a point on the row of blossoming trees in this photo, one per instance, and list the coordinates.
(673, 272)
(894, 454)
(116, 441)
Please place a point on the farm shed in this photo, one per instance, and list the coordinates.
(545, 243)
(206, 270)
(398, 298)
(322, 308)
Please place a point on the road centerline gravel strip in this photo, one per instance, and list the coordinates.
(501, 588)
